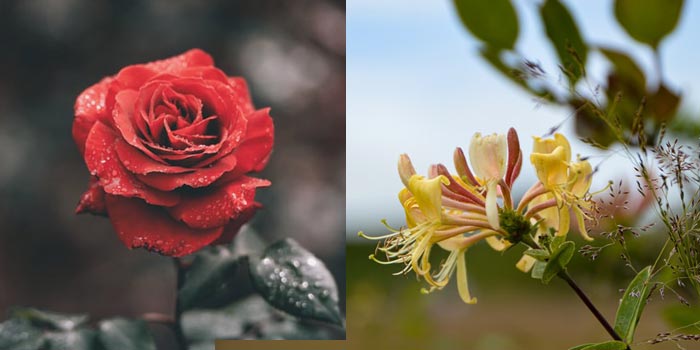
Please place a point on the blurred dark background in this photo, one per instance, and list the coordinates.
(291, 52)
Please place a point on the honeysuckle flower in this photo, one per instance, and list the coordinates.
(452, 212)
(568, 182)
(488, 157)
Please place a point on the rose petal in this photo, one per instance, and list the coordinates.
(137, 162)
(93, 200)
(254, 151)
(123, 117)
(90, 107)
(200, 177)
(216, 208)
(240, 89)
(103, 161)
(174, 65)
(234, 226)
(141, 225)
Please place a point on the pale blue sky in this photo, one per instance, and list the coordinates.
(416, 85)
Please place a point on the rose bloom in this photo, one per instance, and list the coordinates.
(169, 145)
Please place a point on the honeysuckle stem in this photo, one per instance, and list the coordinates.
(177, 325)
(601, 319)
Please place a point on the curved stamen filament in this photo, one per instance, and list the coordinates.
(539, 207)
(534, 191)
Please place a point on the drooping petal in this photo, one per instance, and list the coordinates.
(217, 207)
(93, 200)
(141, 225)
(488, 156)
(564, 221)
(462, 284)
(580, 221)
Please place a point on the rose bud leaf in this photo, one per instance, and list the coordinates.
(293, 280)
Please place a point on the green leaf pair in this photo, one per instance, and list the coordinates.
(32, 329)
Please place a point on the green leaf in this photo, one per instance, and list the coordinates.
(632, 305)
(564, 35)
(648, 21)
(79, 339)
(626, 68)
(49, 320)
(208, 279)
(493, 22)
(608, 345)
(560, 258)
(664, 103)
(539, 254)
(293, 280)
(123, 334)
(249, 318)
(19, 334)
(538, 269)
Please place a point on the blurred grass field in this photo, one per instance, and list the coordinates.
(513, 312)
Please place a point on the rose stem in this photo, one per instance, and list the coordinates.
(565, 276)
(177, 326)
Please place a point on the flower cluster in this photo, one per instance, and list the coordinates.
(455, 211)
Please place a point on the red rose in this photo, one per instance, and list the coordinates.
(169, 144)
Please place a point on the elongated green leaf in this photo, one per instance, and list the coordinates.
(560, 258)
(50, 320)
(293, 280)
(539, 254)
(251, 317)
(608, 345)
(538, 269)
(494, 22)
(632, 305)
(123, 334)
(564, 35)
(208, 279)
(626, 68)
(648, 21)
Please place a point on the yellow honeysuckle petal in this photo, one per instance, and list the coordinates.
(406, 170)
(428, 194)
(542, 145)
(498, 244)
(525, 263)
(488, 155)
(564, 221)
(581, 224)
(552, 168)
(462, 285)
(492, 204)
(580, 178)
